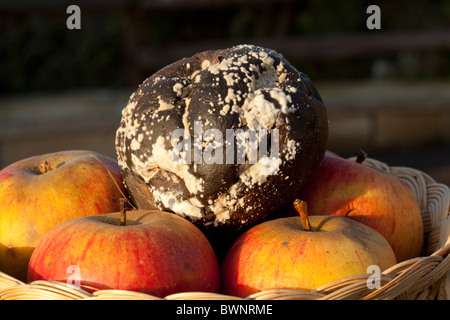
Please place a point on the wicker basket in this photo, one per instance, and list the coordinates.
(419, 278)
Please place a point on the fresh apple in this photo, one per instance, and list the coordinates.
(377, 199)
(154, 252)
(40, 192)
(302, 253)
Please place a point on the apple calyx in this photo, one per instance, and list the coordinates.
(362, 155)
(302, 209)
(44, 167)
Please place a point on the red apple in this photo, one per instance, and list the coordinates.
(40, 192)
(377, 199)
(156, 252)
(302, 253)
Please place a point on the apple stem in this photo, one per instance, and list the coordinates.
(302, 209)
(123, 211)
(362, 155)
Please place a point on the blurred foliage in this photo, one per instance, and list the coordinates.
(38, 52)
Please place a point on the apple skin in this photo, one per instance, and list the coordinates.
(279, 254)
(157, 253)
(77, 183)
(379, 200)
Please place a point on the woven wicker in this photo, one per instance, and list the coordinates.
(420, 278)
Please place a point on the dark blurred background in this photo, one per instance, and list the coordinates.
(387, 90)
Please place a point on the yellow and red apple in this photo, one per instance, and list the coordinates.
(154, 252)
(302, 253)
(39, 192)
(344, 187)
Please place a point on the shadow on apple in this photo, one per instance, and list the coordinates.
(15, 260)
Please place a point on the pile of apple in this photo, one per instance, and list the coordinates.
(358, 217)
(64, 217)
